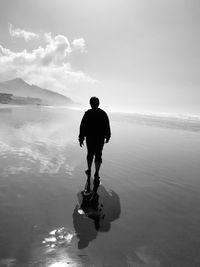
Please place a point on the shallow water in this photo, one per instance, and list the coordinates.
(149, 197)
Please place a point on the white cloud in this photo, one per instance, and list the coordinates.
(79, 44)
(19, 33)
(56, 51)
(48, 66)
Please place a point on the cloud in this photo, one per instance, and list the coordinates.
(19, 33)
(79, 44)
(48, 65)
(56, 51)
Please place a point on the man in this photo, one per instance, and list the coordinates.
(95, 128)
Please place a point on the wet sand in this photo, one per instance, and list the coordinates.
(147, 207)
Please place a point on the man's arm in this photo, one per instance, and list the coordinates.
(107, 129)
(82, 130)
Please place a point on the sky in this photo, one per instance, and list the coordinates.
(135, 55)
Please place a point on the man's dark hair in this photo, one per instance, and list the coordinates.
(94, 102)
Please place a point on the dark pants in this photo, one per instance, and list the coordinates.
(95, 146)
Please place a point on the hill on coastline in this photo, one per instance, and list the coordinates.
(24, 93)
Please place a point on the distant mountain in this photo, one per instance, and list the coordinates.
(21, 89)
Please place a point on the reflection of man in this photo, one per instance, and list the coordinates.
(95, 127)
(84, 228)
(95, 215)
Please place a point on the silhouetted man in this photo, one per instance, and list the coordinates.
(95, 127)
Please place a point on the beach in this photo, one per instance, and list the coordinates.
(148, 211)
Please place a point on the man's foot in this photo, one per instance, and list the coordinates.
(87, 189)
(88, 173)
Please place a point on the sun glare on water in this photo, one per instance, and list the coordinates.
(58, 264)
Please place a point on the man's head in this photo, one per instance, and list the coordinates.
(94, 102)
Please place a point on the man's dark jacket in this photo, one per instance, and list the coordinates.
(95, 122)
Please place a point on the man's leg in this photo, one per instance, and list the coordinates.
(88, 173)
(98, 161)
(97, 168)
(90, 156)
(98, 157)
(96, 176)
(89, 164)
